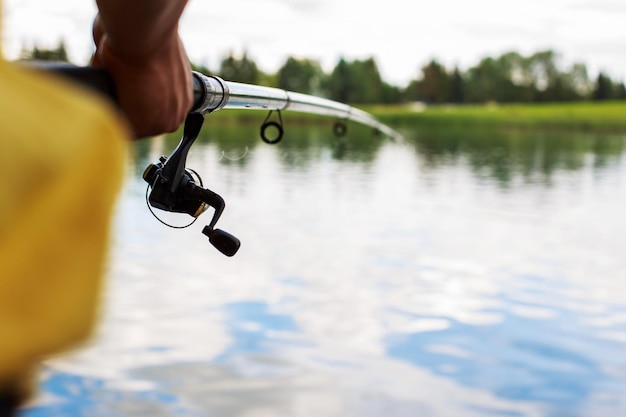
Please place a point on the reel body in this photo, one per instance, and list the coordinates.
(173, 188)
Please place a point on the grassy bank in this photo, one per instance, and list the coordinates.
(583, 116)
(608, 117)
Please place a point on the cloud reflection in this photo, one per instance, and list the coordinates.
(424, 278)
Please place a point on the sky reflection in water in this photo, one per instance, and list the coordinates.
(455, 274)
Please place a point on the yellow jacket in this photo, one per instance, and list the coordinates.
(61, 163)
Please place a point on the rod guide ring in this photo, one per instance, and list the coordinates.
(269, 124)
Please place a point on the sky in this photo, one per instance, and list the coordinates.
(401, 35)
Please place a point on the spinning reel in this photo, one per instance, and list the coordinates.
(174, 189)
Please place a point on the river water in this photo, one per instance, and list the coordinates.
(455, 273)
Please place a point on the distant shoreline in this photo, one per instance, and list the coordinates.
(600, 117)
(595, 117)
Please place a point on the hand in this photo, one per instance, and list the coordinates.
(154, 89)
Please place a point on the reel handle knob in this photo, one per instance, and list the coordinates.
(222, 241)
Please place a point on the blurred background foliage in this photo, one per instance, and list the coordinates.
(508, 78)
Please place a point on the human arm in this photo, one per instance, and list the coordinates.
(138, 43)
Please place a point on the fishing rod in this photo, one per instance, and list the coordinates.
(174, 188)
(212, 93)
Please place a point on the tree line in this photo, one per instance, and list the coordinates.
(508, 78)
(512, 77)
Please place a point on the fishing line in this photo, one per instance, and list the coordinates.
(238, 158)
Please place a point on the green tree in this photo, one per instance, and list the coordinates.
(58, 54)
(301, 75)
(242, 70)
(370, 87)
(543, 71)
(507, 78)
(518, 77)
(604, 88)
(578, 81)
(457, 87)
(491, 80)
(339, 84)
(410, 92)
(512, 77)
(390, 94)
(620, 91)
(434, 85)
(553, 84)
(359, 81)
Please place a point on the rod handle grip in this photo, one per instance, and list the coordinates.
(95, 79)
(98, 79)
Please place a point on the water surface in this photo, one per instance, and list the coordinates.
(454, 274)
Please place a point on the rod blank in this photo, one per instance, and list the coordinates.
(213, 93)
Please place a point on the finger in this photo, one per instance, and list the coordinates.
(100, 39)
(97, 60)
(97, 30)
